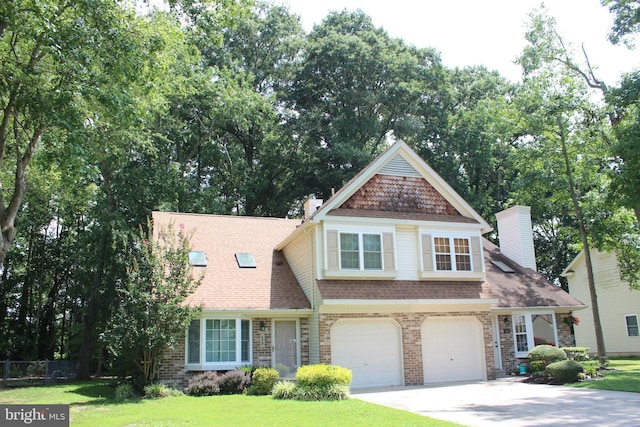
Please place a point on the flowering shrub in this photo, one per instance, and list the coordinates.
(204, 384)
(233, 382)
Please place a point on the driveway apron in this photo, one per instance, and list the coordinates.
(511, 402)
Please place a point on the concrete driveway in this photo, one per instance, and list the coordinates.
(511, 402)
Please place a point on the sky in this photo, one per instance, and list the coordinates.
(485, 32)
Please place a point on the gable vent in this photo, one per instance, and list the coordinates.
(398, 166)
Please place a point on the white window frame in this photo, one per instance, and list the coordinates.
(360, 234)
(452, 252)
(637, 325)
(528, 317)
(227, 365)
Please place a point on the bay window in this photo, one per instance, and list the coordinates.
(219, 343)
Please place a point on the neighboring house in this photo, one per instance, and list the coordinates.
(619, 306)
(390, 277)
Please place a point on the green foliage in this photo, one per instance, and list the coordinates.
(263, 381)
(284, 390)
(576, 353)
(124, 391)
(316, 382)
(546, 354)
(233, 382)
(537, 366)
(564, 371)
(203, 384)
(316, 393)
(151, 317)
(322, 375)
(159, 390)
(626, 20)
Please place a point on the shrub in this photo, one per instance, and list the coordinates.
(249, 369)
(546, 354)
(154, 391)
(576, 353)
(322, 375)
(564, 371)
(204, 384)
(263, 380)
(537, 366)
(284, 390)
(233, 382)
(124, 392)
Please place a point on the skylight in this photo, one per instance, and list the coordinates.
(198, 259)
(245, 260)
(502, 266)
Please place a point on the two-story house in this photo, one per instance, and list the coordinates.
(391, 277)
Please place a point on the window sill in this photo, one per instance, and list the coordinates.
(453, 275)
(226, 366)
(359, 274)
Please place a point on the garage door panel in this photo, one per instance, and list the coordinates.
(371, 349)
(452, 349)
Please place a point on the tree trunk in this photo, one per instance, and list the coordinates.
(602, 352)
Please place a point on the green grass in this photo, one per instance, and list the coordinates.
(622, 375)
(92, 404)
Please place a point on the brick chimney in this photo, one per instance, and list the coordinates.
(516, 235)
(311, 205)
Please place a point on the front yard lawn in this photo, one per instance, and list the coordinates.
(622, 375)
(92, 404)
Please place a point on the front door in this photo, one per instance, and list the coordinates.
(285, 347)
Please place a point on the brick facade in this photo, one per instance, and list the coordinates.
(507, 347)
(411, 324)
(173, 371)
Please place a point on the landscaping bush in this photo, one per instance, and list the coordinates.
(124, 392)
(204, 384)
(155, 391)
(284, 390)
(263, 380)
(322, 375)
(546, 354)
(537, 366)
(564, 371)
(233, 382)
(576, 353)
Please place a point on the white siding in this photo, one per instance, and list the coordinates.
(516, 235)
(299, 256)
(407, 253)
(615, 300)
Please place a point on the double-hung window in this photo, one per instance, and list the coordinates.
(452, 253)
(360, 251)
(531, 329)
(219, 342)
(631, 321)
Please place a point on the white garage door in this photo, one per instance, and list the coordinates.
(370, 348)
(452, 349)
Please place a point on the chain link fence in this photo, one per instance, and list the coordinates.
(17, 373)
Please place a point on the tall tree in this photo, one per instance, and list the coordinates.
(566, 128)
(356, 89)
(152, 315)
(53, 53)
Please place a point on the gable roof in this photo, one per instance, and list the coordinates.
(523, 288)
(575, 262)
(270, 285)
(399, 178)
